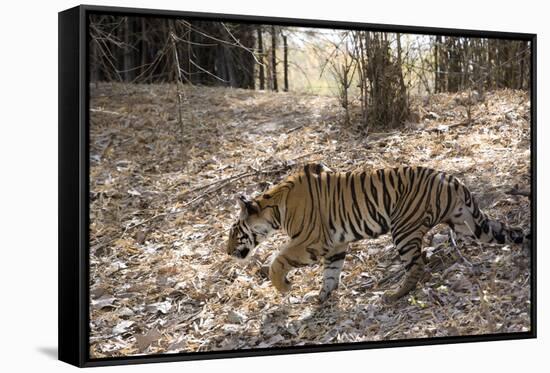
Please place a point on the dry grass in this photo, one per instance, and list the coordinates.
(160, 210)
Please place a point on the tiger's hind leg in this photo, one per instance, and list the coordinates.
(410, 250)
(333, 264)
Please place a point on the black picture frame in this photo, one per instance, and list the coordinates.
(73, 318)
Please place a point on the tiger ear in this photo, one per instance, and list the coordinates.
(248, 207)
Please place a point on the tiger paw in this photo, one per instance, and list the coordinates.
(323, 295)
(390, 296)
(278, 279)
(282, 285)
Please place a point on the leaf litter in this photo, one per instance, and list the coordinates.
(162, 202)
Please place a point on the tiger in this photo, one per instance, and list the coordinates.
(323, 211)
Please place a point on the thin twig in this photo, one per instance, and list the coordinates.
(453, 243)
(247, 173)
(294, 129)
(179, 90)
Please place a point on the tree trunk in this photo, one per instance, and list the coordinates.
(403, 101)
(168, 69)
(437, 79)
(261, 58)
(285, 49)
(521, 67)
(189, 54)
(128, 62)
(274, 59)
(94, 71)
(143, 48)
(400, 64)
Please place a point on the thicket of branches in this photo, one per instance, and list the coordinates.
(374, 72)
(462, 63)
(148, 50)
(386, 70)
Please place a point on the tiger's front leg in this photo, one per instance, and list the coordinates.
(333, 264)
(292, 256)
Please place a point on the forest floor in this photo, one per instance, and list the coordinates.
(162, 201)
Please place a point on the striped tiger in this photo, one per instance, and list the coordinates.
(323, 211)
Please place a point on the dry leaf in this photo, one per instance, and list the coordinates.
(163, 307)
(144, 341)
(122, 326)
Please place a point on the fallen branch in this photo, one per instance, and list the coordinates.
(446, 127)
(231, 179)
(518, 192)
(247, 173)
(294, 129)
(223, 183)
(105, 112)
(228, 181)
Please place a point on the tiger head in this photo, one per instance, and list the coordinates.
(253, 226)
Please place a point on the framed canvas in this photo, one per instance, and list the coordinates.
(235, 186)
